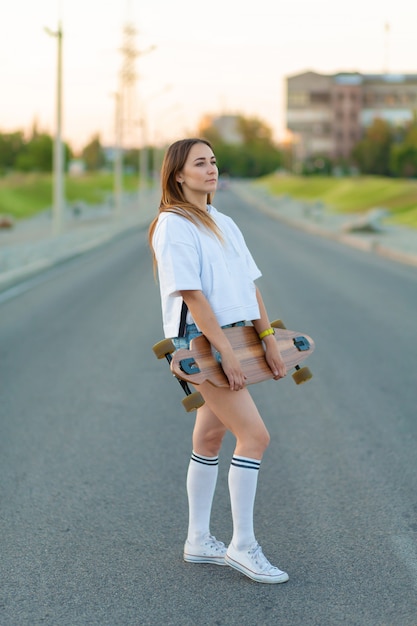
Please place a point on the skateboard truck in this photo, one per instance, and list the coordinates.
(301, 343)
(189, 366)
(192, 401)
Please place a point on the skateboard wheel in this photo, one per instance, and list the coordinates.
(162, 348)
(193, 401)
(302, 375)
(278, 324)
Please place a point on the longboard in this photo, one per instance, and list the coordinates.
(201, 362)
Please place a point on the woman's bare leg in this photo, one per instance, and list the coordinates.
(201, 546)
(237, 412)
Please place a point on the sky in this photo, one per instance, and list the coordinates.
(195, 58)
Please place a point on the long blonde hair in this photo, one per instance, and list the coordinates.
(173, 199)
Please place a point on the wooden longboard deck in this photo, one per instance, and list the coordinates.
(199, 364)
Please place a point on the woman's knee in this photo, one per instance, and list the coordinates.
(262, 440)
(265, 439)
(208, 441)
(207, 448)
(252, 443)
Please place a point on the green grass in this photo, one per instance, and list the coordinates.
(351, 195)
(24, 195)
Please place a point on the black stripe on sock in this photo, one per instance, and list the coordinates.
(246, 463)
(203, 461)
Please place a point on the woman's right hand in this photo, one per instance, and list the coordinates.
(233, 370)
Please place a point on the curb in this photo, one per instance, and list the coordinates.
(355, 242)
(10, 278)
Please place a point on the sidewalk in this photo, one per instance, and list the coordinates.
(372, 235)
(30, 246)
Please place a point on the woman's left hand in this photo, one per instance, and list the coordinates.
(274, 359)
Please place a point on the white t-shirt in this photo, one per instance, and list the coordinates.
(193, 258)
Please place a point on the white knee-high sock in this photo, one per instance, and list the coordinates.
(201, 483)
(243, 480)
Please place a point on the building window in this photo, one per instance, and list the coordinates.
(299, 98)
(317, 97)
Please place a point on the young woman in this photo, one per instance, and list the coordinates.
(206, 277)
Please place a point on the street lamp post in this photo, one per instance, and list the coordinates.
(118, 156)
(143, 158)
(58, 193)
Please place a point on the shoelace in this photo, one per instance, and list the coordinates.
(260, 559)
(213, 543)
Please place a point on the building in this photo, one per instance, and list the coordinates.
(227, 127)
(327, 114)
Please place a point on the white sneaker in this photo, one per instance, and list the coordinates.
(254, 564)
(208, 551)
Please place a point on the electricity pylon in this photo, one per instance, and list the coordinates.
(125, 102)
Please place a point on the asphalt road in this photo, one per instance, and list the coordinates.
(94, 447)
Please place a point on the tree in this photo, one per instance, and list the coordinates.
(11, 144)
(372, 153)
(37, 154)
(254, 155)
(93, 154)
(403, 159)
(131, 160)
(254, 130)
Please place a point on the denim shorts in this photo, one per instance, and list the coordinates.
(191, 332)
